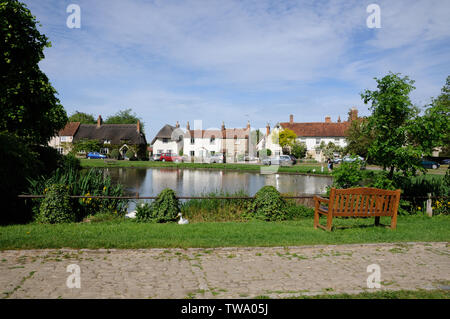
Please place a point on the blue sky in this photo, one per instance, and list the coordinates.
(235, 61)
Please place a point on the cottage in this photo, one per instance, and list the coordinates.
(233, 143)
(169, 139)
(122, 137)
(312, 134)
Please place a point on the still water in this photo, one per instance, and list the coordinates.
(189, 182)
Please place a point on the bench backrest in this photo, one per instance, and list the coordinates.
(364, 201)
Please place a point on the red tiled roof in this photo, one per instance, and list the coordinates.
(318, 129)
(70, 129)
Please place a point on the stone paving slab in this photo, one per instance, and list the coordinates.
(276, 272)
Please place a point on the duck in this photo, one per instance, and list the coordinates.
(182, 220)
(131, 214)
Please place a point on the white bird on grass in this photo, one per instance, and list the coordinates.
(131, 214)
(182, 220)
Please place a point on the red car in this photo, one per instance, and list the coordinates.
(167, 157)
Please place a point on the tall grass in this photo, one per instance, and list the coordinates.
(82, 183)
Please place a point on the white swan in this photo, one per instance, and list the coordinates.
(182, 220)
(131, 214)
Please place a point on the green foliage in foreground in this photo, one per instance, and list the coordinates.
(386, 294)
(121, 233)
(164, 208)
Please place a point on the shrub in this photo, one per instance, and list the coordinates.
(129, 154)
(114, 154)
(267, 205)
(69, 162)
(164, 208)
(347, 175)
(55, 207)
(143, 212)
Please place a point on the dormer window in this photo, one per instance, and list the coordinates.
(165, 140)
(107, 142)
(212, 140)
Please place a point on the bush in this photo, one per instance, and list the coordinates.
(268, 205)
(55, 207)
(164, 208)
(129, 154)
(347, 175)
(114, 154)
(69, 162)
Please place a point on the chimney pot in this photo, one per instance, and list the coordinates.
(267, 129)
(177, 125)
(188, 127)
(327, 119)
(99, 121)
(248, 125)
(223, 126)
(291, 119)
(138, 126)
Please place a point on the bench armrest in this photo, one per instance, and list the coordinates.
(321, 199)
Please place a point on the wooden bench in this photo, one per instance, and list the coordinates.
(357, 202)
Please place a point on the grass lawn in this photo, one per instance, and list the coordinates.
(129, 234)
(303, 168)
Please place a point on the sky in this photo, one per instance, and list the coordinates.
(237, 61)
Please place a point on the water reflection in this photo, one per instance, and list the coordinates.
(187, 182)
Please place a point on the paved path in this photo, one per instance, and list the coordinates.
(222, 272)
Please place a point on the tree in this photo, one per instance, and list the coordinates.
(28, 103)
(391, 121)
(86, 145)
(285, 138)
(432, 130)
(299, 150)
(83, 118)
(124, 117)
(359, 138)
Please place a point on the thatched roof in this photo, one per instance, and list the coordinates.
(116, 133)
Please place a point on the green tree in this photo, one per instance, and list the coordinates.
(299, 150)
(28, 103)
(392, 122)
(359, 138)
(285, 138)
(124, 117)
(86, 145)
(83, 118)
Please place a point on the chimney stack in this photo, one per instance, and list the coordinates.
(327, 119)
(99, 121)
(354, 114)
(188, 126)
(339, 119)
(248, 125)
(177, 125)
(291, 119)
(138, 126)
(223, 126)
(267, 129)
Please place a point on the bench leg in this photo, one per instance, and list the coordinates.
(394, 221)
(377, 220)
(329, 221)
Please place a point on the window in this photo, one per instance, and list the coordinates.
(60, 150)
(317, 141)
(212, 140)
(106, 142)
(160, 152)
(236, 141)
(64, 138)
(192, 153)
(192, 140)
(165, 140)
(104, 150)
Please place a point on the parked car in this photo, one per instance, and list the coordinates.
(446, 161)
(95, 155)
(168, 157)
(282, 160)
(216, 158)
(350, 159)
(337, 160)
(430, 164)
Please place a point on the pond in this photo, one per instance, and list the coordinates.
(197, 182)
